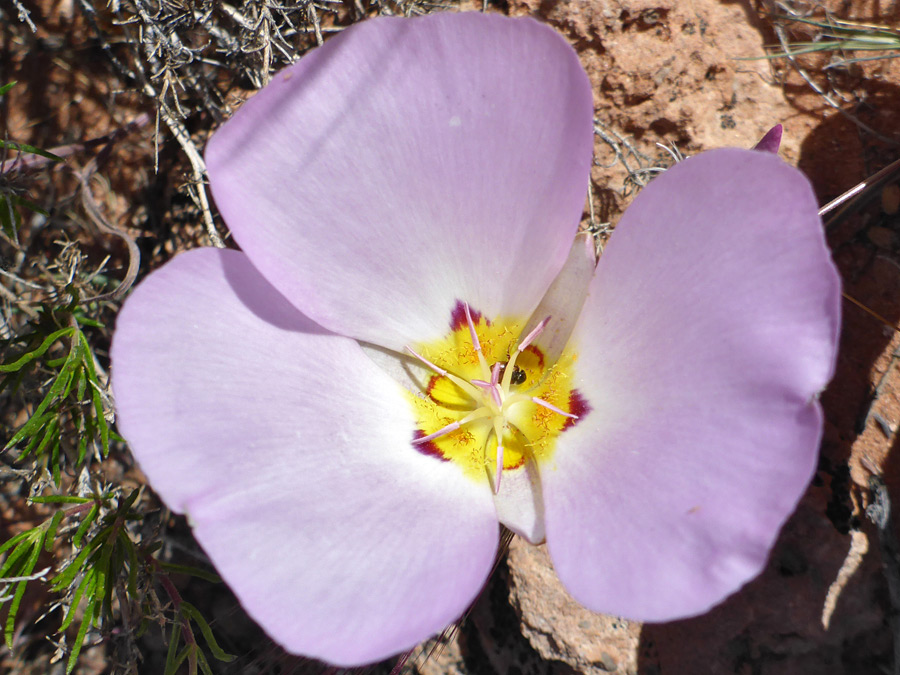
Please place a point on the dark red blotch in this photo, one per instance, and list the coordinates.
(458, 316)
(579, 406)
(428, 447)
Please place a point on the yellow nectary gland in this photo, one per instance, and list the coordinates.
(462, 396)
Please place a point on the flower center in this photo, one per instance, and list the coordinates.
(491, 401)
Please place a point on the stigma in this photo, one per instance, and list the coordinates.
(490, 402)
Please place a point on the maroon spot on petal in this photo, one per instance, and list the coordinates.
(458, 316)
(432, 382)
(532, 349)
(517, 465)
(429, 448)
(578, 406)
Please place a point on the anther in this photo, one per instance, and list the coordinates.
(465, 385)
(449, 429)
(453, 426)
(550, 406)
(437, 369)
(537, 330)
(472, 333)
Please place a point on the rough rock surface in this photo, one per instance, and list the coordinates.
(663, 71)
(558, 627)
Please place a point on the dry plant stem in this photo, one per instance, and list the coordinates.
(6, 582)
(17, 301)
(31, 162)
(595, 227)
(785, 46)
(176, 599)
(79, 509)
(175, 126)
(134, 253)
(614, 144)
(879, 512)
(307, 29)
(592, 214)
(197, 164)
(617, 142)
(261, 28)
(265, 28)
(37, 576)
(875, 315)
(18, 279)
(314, 17)
(24, 15)
(126, 609)
(401, 662)
(860, 194)
(238, 18)
(859, 547)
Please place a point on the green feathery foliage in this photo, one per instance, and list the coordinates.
(74, 400)
(106, 565)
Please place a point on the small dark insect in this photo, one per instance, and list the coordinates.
(518, 376)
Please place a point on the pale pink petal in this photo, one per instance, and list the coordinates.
(407, 165)
(519, 502)
(289, 450)
(711, 327)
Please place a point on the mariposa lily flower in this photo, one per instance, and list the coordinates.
(409, 350)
